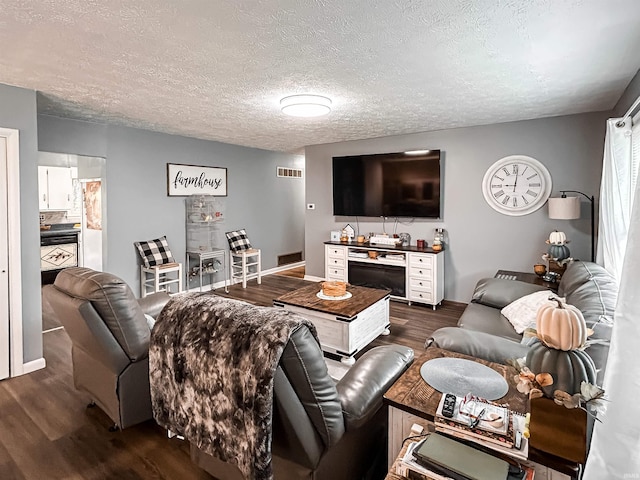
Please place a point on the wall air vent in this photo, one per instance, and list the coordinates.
(289, 172)
(289, 258)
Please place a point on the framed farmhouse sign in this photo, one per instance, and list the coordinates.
(183, 180)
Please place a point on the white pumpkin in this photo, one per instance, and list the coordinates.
(561, 326)
(557, 238)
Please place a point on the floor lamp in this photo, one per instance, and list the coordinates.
(568, 208)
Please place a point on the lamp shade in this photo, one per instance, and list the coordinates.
(564, 208)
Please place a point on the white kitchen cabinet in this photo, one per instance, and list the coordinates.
(55, 188)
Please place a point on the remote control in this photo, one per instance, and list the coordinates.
(448, 405)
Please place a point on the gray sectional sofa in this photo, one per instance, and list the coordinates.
(483, 332)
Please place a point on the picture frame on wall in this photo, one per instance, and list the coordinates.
(185, 180)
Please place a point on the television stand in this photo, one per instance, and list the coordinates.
(412, 274)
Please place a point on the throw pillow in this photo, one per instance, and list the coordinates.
(154, 252)
(522, 312)
(238, 240)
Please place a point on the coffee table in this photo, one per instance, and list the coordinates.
(344, 326)
(411, 400)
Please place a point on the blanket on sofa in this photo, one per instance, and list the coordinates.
(211, 367)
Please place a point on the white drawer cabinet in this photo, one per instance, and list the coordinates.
(423, 271)
(335, 263)
(425, 278)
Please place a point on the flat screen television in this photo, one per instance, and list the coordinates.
(387, 184)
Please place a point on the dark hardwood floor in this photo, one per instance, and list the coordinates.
(47, 431)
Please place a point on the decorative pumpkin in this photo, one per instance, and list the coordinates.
(558, 252)
(557, 238)
(561, 326)
(568, 369)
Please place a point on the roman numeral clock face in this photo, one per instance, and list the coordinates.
(516, 185)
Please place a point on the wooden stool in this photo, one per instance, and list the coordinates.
(240, 263)
(157, 278)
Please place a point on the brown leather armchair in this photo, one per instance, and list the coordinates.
(110, 340)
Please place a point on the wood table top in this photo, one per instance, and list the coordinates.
(306, 297)
(412, 394)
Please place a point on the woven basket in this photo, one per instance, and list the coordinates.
(334, 289)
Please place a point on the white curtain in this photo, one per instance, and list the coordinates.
(616, 196)
(615, 446)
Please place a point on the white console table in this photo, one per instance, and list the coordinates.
(412, 274)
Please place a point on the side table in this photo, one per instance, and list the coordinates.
(411, 400)
(204, 267)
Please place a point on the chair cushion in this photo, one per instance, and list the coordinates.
(481, 318)
(238, 240)
(154, 252)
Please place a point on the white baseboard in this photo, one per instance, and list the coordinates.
(282, 268)
(311, 278)
(33, 365)
(264, 273)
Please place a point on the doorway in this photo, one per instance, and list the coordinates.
(4, 264)
(11, 361)
(82, 212)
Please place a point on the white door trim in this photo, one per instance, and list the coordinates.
(15, 260)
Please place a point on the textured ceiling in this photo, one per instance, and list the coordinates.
(216, 69)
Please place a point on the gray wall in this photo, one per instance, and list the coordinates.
(631, 93)
(138, 208)
(480, 240)
(18, 111)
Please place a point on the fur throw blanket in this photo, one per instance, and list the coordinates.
(211, 367)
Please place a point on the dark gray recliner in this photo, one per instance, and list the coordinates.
(323, 429)
(110, 340)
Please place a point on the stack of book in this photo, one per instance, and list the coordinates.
(497, 427)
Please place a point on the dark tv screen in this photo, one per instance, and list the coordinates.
(387, 184)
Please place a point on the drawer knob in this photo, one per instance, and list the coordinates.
(420, 259)
(335, 261)
(420, 295)
(420, 283)
(420, 272)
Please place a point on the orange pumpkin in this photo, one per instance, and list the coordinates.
(561, 326)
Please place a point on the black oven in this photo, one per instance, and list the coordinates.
(58, 250)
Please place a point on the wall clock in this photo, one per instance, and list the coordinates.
(516, 185)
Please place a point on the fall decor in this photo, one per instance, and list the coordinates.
(528, 382)
(558, 252)
(568, 368)
(560, 325)
(557, 238)
(590, 398)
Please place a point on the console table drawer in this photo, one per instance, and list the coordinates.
(336, 273)
(336, 262)
(418, 272)
(421, 295)
(421, 284)
(336, 251)
(421, 261)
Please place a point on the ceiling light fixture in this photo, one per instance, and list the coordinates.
(416, 152)
(305, 105)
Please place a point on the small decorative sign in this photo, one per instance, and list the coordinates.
(184, 180)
